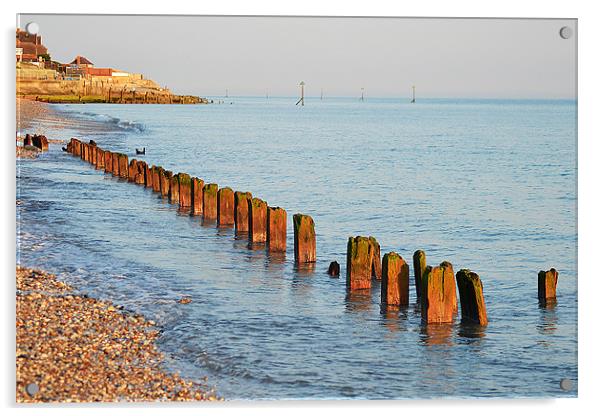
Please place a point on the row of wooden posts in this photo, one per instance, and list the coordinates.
(264, 224)
(435, 285)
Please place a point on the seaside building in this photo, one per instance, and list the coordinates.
(30, 48)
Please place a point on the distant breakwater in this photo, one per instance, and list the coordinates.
(436, 286)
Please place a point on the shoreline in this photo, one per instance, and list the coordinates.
(74, 348)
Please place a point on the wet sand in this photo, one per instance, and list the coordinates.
(73, 348)
(28, 110)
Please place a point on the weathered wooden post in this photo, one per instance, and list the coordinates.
(546, 284)
(360, 253)
(100, 158)
(304, 239)
(185, 187)
(123, 165)
(376, 260)
(148, 176)
(93, 154)
(132, 170)
(115, 164)
(174, 189)
(27, 141)
(108, 161)
(210, 202)
(39, 141)
(140, 174)
(241, 211)
(276, 239)
(438, 295)
(197, 196)
(225, 207)
(419, 260)
(84, 152)
(395, 286)
(472, 301)
(165, 179)
(258, 213)
(156, 171)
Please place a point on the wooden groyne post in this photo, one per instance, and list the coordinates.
(156, 172)
(304, 234)
(140, 174)
(438, 298)
(472, 301)
(115, 164)
(419, 260)
(276, 241)
(360, 254)
(148, 176)
(376, 261)
(395, 285)
(132, 170)
(258, 212)
(185, 188)
(108, 162)
(100, 158)
(225, 207)
(123, 165)
(165, 179)
(174, 188)
(210, 201)
(546, 285)
(241, 211)
(197, 196)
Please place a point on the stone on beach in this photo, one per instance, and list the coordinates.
(258, 213)
(438, 294)
(197, 196)
(395, 285)
(304, 236)
(225, 207)
(360, 254)
(241, 211)
(546, 284)
(472, 301)
(419, 260)
(276, 239)
(210, 202)
(185, 190)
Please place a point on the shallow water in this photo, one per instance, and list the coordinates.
(488, 185)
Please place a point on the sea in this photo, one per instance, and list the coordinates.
(488, 185)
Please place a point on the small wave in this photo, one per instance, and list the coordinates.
(127, 125)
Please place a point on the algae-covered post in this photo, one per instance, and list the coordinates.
(419, 259)
(185, 186)
(123, 165)
(241, 211)
(210, 201)
(276, 240)
(197, 196)
(395, 286)
(258, 213)
(376, 261)
(360, 252)
(472, 301)
(174, 188)
(304, 238)
(438, 302)
(546, 284)
(225, 207)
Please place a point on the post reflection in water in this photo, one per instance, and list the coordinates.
(358, 300)
(304, 269)
(394, 318)
(471, 330)
(436, 334)
(549, 320)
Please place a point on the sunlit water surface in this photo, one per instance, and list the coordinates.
(486, 185)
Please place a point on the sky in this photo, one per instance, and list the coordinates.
(207, 55)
